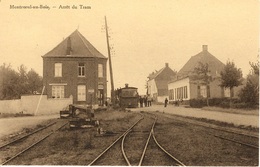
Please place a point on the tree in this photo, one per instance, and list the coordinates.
(34, 82)
(231, 77)
(201, 74)
(250, 93)
(13, 84)
(23, 80)
(8, 83)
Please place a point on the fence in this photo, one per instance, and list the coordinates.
(28, 105)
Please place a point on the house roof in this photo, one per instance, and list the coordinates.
(215, 65)
(75, 45)
(155, 74)
(161, 78)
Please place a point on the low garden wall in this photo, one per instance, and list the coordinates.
(29, 105)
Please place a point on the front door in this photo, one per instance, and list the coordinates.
(100, 97)
(81, 92)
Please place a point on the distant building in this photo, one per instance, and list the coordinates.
(75, 67)
(157, 84)
(183, 87)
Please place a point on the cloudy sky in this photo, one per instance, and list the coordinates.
(145, 34)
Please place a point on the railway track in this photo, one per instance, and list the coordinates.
(156, 150)
(133, 155)
(242, 138)
(136, 139)
(93, 162)
(17, 147)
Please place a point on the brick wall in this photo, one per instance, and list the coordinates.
(71, 78)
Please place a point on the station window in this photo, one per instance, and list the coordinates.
(57, 92)
(58, 70)
(100, 70)
(81, 68)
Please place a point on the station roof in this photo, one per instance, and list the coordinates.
(75, 45)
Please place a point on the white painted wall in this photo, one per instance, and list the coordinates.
(151, 87)
(180, 83)
(161, 99)
(28, 105)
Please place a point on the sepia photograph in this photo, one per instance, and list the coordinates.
(129, 83)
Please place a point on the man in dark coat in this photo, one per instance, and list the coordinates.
(165, 102)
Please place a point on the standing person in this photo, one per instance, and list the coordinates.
(165, 102)
(145, 101)
(149, 100)
(141, 101)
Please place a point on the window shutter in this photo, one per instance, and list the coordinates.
(232, 92)
(198, 94)
(222, 91)
(208, 91)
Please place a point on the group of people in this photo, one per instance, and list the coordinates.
(145, 101)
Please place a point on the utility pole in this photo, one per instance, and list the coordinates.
(110, 67)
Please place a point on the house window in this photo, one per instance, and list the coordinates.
(185, 92)
(81, 69)
(171, 94)
(57, 92)
(176, 93)
(203, 91)
(58, 70)
(227, 92)
(181, 92)
(81, 93)
(100, 70)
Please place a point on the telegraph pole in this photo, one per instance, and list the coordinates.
(110, 67)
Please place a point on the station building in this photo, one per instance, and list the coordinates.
(75, 68)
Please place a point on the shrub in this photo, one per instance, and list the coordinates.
(198, 103)
(224, 104)
(215, 101)
(243, 105)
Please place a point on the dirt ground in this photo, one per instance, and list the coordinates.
(193, 145)
(16, 125)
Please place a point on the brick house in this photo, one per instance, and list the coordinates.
(183, 87)
(75, 67)
(157, 84)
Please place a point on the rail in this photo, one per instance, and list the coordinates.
(32, 145)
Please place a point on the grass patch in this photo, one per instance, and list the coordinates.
(234, 111)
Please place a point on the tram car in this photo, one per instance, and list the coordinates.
(127, 97)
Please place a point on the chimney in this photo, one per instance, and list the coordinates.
(166, 64)
(204, 47)
(126, 85)
(68, 52)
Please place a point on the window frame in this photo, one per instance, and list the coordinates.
(81, 69)
(58, 90)
(100, 70)
(203, 91)
(58, 70)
